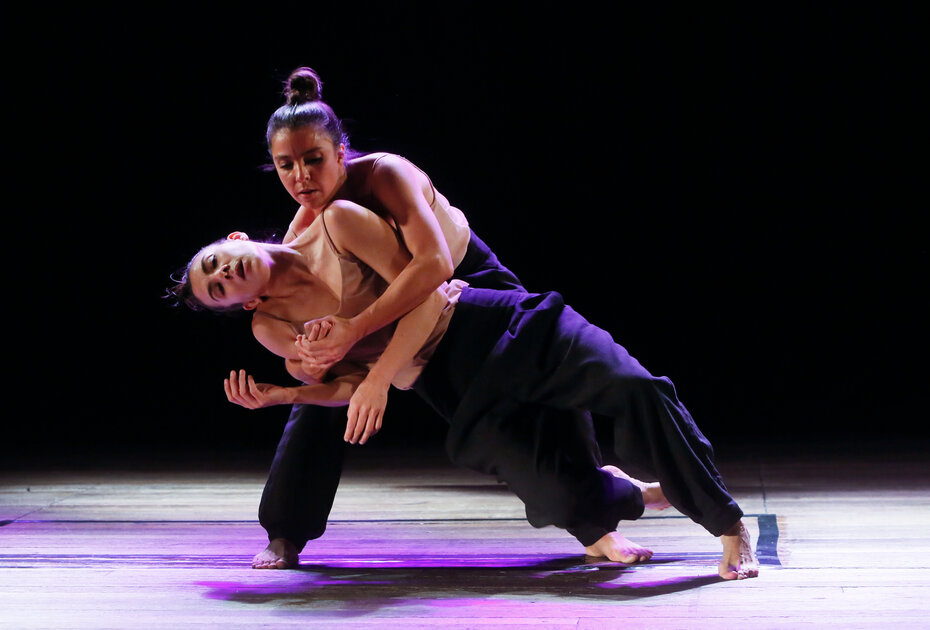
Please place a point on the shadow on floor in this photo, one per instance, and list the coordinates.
(357, 589)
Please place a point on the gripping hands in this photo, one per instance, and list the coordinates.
(366, 405)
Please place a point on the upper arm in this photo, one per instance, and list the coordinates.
(368, 237)
(276, 336)
(396, 184)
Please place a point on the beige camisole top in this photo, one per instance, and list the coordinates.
(360, 287)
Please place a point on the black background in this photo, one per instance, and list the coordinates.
(733, 192)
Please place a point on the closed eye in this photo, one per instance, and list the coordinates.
(214, 289)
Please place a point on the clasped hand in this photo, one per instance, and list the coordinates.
(368, 402)
(325, 342)
(366, 406)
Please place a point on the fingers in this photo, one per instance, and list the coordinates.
(312, 330)
(317, 329)
(241, 389)
(317, 348)
(372, 426)
(362, 423)
(309, 350)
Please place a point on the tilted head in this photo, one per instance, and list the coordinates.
(307, 142)
(229, 274)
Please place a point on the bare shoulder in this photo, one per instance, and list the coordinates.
(402, 188)
(387, 167)
(345, 214)
(352, 226)
(363, 169)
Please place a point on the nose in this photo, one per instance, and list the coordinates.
(226, 270)
(302, 171)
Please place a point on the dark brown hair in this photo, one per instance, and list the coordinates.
(303, 92)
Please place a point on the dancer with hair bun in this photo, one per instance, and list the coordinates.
(310, 152)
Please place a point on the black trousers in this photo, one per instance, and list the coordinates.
(307, 464)
(506, 353)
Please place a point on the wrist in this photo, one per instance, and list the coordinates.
(358, 326)
(290, 395)
(379, 378)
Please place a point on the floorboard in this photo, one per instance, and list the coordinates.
(844, 537)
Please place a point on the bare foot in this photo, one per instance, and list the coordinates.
(615, 547)
(653, 496)
(739, 561)
(279, 554)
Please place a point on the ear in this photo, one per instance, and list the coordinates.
(238, 236)
(341, 154)
(252, 304)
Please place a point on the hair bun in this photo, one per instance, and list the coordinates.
(304, 85)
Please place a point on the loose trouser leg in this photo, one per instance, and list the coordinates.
(304, 475)
(549, 465)
(548, 457)
(587, 369)
(551, 462)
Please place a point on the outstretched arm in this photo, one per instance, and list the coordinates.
(242, 390)
(332, 388)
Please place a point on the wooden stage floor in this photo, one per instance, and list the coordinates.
(843, 534)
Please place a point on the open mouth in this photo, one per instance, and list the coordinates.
(240, 269)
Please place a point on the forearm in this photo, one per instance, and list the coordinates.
(414, 284)
(410, 335)
(334, 393)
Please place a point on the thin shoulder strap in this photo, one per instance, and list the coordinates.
(431, 187)
(329, 239)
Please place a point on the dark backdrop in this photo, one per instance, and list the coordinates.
(731, 191)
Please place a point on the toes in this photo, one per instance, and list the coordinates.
(749, 573)
(634, 557)
(263, 563)
(730, 572)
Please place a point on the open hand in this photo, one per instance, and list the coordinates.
(242, 390)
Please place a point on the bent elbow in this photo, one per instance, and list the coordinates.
(442, 264)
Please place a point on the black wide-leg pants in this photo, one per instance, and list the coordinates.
(307, 464)
(506, 353)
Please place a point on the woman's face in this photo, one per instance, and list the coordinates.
(310, 166)
(229, 273)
